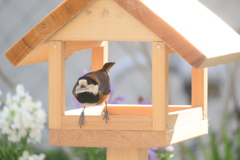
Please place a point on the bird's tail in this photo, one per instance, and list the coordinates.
(107, 66)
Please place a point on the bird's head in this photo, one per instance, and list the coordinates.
(86, 84)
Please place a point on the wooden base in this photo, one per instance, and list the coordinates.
(129, 131)
(133, 139)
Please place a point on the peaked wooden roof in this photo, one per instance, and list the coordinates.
(187, 27)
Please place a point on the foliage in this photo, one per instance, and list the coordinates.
(161, 153)
(224, 147)
(21, 122)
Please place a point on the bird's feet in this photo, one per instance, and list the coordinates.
(106, 116)
(81, 119)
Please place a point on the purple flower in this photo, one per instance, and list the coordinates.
(152, 155)
(116, 100)
(169, 148)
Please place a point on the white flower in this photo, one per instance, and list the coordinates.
(22, 132)
(16, 122)
(5, 127)
(24, 156)
(22, 117)
(13, 137)
(20, 90)
(27, 156)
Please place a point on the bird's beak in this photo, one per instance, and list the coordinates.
(80, 90)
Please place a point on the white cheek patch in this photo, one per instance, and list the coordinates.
(88, 88)
(82, 82)
(93, 89)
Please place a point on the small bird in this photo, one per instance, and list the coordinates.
(93, 89)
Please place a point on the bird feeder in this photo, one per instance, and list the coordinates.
(183, 27)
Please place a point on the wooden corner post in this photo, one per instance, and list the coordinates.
(159, 86)
(99, 56)
(56, 84)
(200, 89)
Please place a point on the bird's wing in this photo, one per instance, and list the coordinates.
(103, 80)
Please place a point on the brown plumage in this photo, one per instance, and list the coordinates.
(93, 89)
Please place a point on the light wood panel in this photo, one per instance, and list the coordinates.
(72, 46)
(184, 117)
(119, 138)
(159, 86)
(200, 89)
(56, 84)
(40, 54)
(115, 123)
(127, 154)
(187, 132)
(105, 20)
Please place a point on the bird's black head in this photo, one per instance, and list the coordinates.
(86, 84)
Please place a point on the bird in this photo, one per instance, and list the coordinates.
(93, 89)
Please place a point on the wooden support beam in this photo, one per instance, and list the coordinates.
(56, 84)
(73, 46)
(200, 89)
(99, 56)
(159, 86)
(127, 153)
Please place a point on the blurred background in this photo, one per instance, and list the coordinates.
(131, 77)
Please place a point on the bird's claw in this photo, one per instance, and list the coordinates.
(81, 119)
(106, 116)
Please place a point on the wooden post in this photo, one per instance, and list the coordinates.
(159, 86)
(99, 56)
(200, 89)
(56, 84)
(127, 153)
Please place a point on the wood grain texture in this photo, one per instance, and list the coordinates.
(194, 32)
(200, 89)
(115, 123)
(40, 53)
(73, 46)
(56, 85)
(105, 20)
(44, 29)
(159, 86)
(127, 154)
(107, 138)
(129, 139)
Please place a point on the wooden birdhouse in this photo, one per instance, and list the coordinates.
(183, 27)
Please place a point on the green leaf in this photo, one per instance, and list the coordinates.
(214, 147)
(227, 146)
(203, 149)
